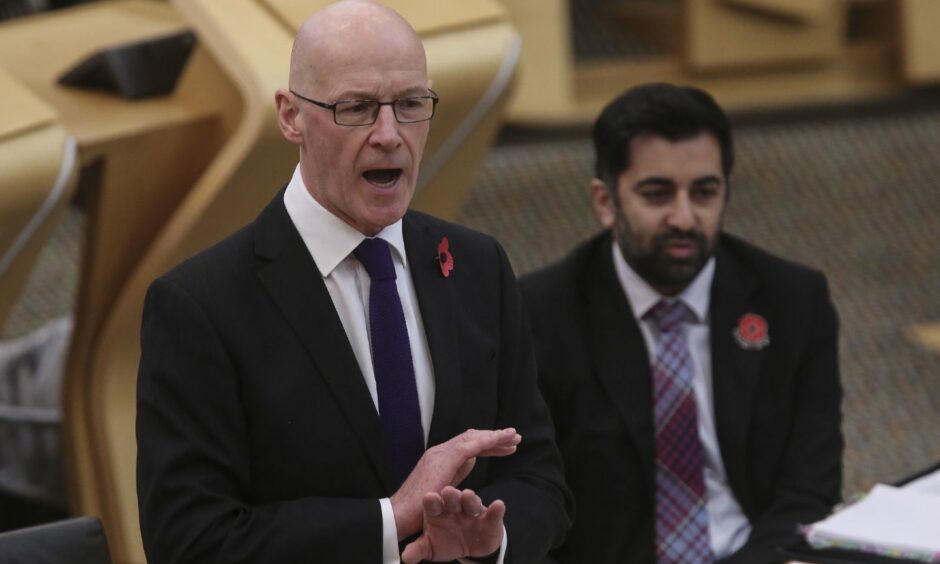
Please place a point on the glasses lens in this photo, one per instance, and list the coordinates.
(414, 109)
(356, 112)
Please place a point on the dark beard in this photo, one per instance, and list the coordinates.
(666, 274)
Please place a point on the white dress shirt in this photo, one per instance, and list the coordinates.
(331, 242)
(728, 527)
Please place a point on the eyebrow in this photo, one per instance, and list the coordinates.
(663, 181)
(657, 181)
(370, 95)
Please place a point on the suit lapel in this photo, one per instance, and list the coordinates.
(297, 289)
(623, 365)
(437, 300)
(735, 370)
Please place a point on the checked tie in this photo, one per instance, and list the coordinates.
(681, 517)
(399, 413)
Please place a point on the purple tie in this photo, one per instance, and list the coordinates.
(681, 517)
(399, 412)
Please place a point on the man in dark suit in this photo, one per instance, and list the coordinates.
(342, 375)
(692, 377)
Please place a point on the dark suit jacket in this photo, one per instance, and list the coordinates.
(777, 410)
(258, 440)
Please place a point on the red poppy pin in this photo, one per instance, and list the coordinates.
(751, 332)
(444, 258)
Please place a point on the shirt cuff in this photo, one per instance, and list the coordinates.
(390, 533)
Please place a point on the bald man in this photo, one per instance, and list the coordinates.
(344, 377)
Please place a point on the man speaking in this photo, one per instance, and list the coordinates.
(342, 376)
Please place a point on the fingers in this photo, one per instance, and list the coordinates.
(495, 513)
(417, 551)
(452, 500)
(474, 442)
(433, 504)
(471, 504)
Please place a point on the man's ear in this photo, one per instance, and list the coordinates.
(288, 116)
(603, 203)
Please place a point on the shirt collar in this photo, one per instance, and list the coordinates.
(642, 296)
(328, 238)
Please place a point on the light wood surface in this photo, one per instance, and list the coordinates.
(39, 49)
(920, 47)
(926, 335)
(21, 110)
(444, 16)
(749, 53)
(718, 36)
(800, 10)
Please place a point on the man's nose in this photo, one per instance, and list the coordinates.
(385, 130)
(682, 214)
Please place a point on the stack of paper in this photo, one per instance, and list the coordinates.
(896, 522)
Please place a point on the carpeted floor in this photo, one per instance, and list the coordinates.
(856, 195)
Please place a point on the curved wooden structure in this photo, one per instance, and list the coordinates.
(176, 174)
(38, 164)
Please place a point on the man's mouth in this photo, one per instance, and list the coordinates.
(382, 177)
(680, 249)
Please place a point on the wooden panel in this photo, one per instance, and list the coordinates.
(920, 48)
(926, 335)
(38, 49)
(444, 16)
(721, 36)
(802, 10)
(20, 110)
(546, 68)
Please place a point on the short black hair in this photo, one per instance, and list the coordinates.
(667, 110)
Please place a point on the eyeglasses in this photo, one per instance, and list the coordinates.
(412, 109)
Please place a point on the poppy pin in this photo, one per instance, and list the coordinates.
(751, 332)
(444, 257)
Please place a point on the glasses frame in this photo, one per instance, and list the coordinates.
(332, 107)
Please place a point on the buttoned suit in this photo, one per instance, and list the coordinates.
(777, 407)
(258, 438)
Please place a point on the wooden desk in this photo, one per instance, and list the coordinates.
(445, 16)
(926, 335)
(39, 49)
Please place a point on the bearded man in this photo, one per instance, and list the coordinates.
(692, 377)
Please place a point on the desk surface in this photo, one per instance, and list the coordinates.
(427, 19)
(21, 110)
(36, 50)
(927, 335)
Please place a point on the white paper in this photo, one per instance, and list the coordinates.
(887, 519)
(929, 484)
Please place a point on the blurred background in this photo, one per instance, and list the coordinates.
(162, 140)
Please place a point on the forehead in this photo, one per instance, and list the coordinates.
(652, 154)
(367, 53)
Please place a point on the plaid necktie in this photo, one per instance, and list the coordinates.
(399, 413)
(681, 517)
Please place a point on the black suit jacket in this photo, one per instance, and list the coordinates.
(258, 440)
(777, 409)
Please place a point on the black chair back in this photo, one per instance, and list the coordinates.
(79, 540)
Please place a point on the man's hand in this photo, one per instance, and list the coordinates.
(446, 464)
(457, 525)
